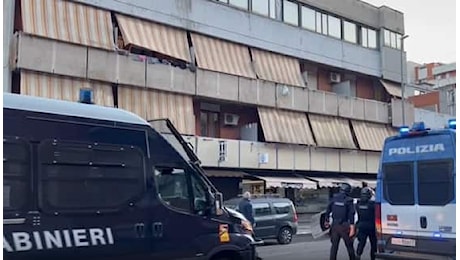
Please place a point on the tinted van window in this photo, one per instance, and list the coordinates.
(261, 209)
(435, 182)
(16, 173)
(282, 207)
(398, 183)
(79, 176)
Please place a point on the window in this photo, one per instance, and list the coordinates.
(398, 41)
(451, 96)
(282, 207)
(436, 185)
(349, 30)
(290, 12)
(368, 38)
(308, 18)
(82, 176)
(394, 40)
(334, 27)
(364, 41)
(16, 172)
(264, 7)
(318, 23)
(261, 209)
(272, 9)
(398, 183)
(372, 38)
(199, 195)
(324, 23)
(172, 188)
(239, 3)
(387, 38)
(209, 123)
(261, 7)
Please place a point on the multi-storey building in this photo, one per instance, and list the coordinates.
(268, 92)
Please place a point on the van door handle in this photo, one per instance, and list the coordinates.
(423, 222)
(139, 228)
(157, 229)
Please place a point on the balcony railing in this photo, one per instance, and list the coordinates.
(259, 155)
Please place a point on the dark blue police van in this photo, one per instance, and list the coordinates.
(82, 181)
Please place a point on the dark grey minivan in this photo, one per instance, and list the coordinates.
(275, 218)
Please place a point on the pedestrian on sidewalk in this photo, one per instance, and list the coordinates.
(245, 207)
(343, 221)
(366, 223)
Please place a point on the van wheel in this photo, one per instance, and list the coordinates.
(285, 235)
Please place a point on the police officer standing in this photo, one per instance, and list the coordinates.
(366, 223)
(343, 220)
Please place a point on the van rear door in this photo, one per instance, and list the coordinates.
(436, 194)
(398, 215)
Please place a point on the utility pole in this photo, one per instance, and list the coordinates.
(402, 80)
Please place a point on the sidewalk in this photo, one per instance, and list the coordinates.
(304, 227)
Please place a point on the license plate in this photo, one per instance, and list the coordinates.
(403, 242)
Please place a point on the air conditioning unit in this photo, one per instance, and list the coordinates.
(334, 77)
(231, 119)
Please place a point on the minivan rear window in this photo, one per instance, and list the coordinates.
(261, 209)
(398, 183)
(435, 182)
(282, 207)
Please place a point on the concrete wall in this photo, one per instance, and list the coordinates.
(431, 119)
(8, 26)
(251, 30)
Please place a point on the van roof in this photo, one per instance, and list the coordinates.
(67, 108)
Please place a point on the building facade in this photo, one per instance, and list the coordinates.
(274, 95)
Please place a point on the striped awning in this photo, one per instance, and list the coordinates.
(154, 37)
(277, 68)
(63, 88)
(371, 136)
(68, 21)
(392, 88)
(222, 56)
(284, 126)
(332, 132)
(152, 104)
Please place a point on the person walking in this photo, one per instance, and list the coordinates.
(245, 207)
(366, 223)
(343, 220)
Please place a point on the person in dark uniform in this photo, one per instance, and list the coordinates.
(343, 220)
(366, 223)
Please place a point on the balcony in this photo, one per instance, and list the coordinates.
(64, 59)
(225, 153)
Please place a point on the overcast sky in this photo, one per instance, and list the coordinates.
(430, 26)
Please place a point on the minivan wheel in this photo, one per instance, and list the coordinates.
(285, 235)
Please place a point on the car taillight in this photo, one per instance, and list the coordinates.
(296, 218)
(378, 225)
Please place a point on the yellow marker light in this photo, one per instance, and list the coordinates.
(223, 233)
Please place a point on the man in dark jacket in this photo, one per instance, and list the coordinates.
(343, 221)
(245, 207)
(366, 223)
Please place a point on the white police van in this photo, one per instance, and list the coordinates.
(415, 196)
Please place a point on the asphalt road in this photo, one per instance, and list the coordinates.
(305, 247)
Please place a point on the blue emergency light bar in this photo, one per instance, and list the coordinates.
(452, 123)
(86, 96)
(404, 130)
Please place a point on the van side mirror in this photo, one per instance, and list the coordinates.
(219, 202)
